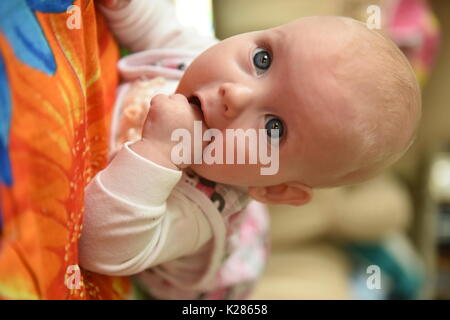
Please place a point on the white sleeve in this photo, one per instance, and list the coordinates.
(134, 219)
(152, 24)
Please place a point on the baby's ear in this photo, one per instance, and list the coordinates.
(291, 193)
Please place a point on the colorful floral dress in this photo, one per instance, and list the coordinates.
(57, 88)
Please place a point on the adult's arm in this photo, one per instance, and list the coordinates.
(150, 24)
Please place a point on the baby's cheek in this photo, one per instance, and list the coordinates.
(238, 150)
(224, 173)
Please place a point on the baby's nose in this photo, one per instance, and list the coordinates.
(235, 97)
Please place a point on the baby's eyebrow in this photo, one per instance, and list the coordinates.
(277, 37)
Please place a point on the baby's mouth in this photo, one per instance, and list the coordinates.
(196, 102)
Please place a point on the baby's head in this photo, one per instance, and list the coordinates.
(344, 98)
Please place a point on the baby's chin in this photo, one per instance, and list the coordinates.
(220, 174)
(234, 174)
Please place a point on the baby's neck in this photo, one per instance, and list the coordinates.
(191, 173)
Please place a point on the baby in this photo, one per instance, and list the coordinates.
(341, 103)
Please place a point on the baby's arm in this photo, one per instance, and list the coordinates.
(149, 24)
(133, 219)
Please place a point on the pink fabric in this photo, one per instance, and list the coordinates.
(414, 28)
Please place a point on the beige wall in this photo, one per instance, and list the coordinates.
(238, 16)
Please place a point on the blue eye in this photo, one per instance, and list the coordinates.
(261, 60)
(276, 124)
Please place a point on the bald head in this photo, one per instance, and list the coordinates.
(360, 94)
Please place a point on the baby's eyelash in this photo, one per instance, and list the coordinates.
(265, 45)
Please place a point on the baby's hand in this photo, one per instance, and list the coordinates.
(166, 114)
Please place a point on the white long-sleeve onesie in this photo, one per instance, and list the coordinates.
(152, 24)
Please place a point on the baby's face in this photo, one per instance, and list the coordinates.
(281, 78)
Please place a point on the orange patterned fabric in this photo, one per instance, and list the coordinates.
(58, 140)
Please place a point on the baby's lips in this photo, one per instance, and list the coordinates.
(199, 115)
(195, 105)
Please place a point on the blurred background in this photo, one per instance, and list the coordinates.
(388, 238)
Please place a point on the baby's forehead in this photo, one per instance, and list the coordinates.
(320, 48)
(329, 24)
(323, 36)
(322, 59)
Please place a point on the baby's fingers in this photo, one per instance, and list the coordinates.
(179, 98)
